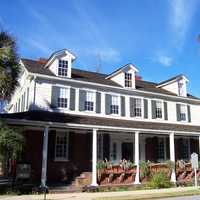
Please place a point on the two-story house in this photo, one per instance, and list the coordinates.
(72, 118)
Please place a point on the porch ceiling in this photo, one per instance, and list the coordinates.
(80, 120)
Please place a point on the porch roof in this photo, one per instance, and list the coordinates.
(55, 117)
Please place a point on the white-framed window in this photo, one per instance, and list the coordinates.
(27, 98)
(181, 88)
(61, 146)
(89, 102)
(159, 113)
(161, 149)
(137, 107)
(63, 98)
(184, 149)
(114, 107)
(62, 68)
(128, 79)
(183, 112)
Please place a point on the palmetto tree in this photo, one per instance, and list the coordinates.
(9, 65)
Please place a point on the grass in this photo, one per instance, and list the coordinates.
(153, 196)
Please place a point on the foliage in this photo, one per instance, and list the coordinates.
(144, 169)
(11, 142)
(170, 164)
(159, 180)
(9, 65)
(126, 164)
(101, 164)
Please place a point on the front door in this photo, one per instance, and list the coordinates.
(127, 151)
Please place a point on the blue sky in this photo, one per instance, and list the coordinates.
(158, 36)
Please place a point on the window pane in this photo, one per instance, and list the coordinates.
(61, 146)
(62, 68)
(114, 108)
(128, 80)
(158, 109)
(63, 97)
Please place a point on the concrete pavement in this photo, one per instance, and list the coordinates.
(137, 194)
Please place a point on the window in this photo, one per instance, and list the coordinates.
(114, 108)
(89, 102)
(184, 149)
(62, 68)
(128, 80)
(63, 97)
(137, 107)
(158, 109)
(161, 149)
(180, 88)
(183, 110)
(27, 98)
(61, 146)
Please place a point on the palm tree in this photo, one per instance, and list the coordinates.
(9, 65)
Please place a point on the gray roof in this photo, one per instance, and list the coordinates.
(78, 74)
(46, 116)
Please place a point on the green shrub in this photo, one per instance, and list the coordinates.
(159, 180)
(144, 169)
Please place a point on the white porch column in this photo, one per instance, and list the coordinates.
(199, 144)
(94, 158)
(137, 158)
(44, 157)
(172, 155)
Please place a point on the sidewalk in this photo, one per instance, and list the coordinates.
(138, 194)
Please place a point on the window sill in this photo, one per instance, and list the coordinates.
(61, 160)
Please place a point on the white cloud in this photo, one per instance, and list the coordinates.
(38, 45)
(181, 13)
(108, 54)
(165, 60)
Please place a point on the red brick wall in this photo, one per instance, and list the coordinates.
(79, 156)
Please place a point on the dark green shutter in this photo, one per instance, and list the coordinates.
(108, 103)
(123, 106)
(71, 145)
(189, 113)
(82, 98)
(145, 108)
(153, 109)
(72, 99)
(54, 96)
(98, 102)
(132, 107)
(165, 110)
(106, 146)
(178, 111)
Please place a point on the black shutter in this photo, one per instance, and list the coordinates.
(51, 145)
(165, 110)
(98, 102)
(145, 108)
(178, 111)
(106, 146)
(123, 106)
(108, 103)
(72, 99)
(82, 98)
(132, 114)
(54, 96)
(189, 113)
(153, 109)
(71, 145)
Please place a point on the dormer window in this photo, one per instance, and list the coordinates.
(128, 80)
(181, 91)
(63, 68)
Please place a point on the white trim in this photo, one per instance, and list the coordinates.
(86, 126)
(62, 159)
(114, 87)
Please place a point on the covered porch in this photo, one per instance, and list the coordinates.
(86, 140)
